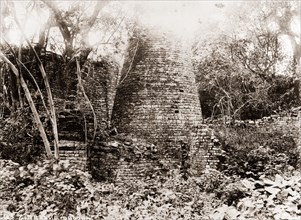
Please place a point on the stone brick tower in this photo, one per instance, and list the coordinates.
(157, 98)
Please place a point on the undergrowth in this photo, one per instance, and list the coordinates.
(19, 139)
(251, 152)
(48, 190)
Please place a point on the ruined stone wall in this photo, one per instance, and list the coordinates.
(75, 118)
(130, 159)
(156, 101)
(75, 152)
(99, 81)
(285, 125)
(288, 123)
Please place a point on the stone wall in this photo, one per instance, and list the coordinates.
(156, 102)
(74, 131)
(131, 158)
(287, 122)
(204, 154)
(100, 81)
(75, 152)
(128, 158)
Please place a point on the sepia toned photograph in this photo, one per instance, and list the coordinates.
(150, 110)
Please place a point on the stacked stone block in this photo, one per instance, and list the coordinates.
(158, 98)
(75, 152)
(100, 81)
(129, 160)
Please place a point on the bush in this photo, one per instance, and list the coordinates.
(248, 152)
(18, 138)
(277, 197)
(212, 180)
(225, 188)
(231, 82)
(47, 189)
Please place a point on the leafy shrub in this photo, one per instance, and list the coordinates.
(268, 198)
(227, 189)
(231, 193)
(48, 189)
(232, 82)
(248, 152)
(212, 180)
(18, 142)
(55, 190)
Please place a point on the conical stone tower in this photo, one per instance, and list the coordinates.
(157, 98)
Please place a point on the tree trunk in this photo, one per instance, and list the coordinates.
(32, 106)
(48, 90)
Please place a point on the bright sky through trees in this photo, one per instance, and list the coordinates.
(184, 18)
(181, 17)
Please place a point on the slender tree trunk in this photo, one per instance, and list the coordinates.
(32, 106)
(37, 87)
(18, 80)
(52, 111)
(48, 91)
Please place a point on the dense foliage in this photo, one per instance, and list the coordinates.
(241, 78)
(238, 77)
(277, 197)
(251, 152)
(256, 178)
(48, 189)
(19, 139)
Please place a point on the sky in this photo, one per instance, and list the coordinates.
(181, 17)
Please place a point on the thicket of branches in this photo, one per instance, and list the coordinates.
(49, 64)
(249, 65)
(239, 78)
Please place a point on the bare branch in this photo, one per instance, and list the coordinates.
(86, 97)
(59, 20)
